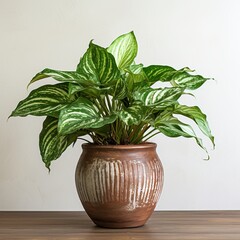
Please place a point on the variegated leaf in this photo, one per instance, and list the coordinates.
(51, 144)
(160, 73)
(172, 127)
(196, 115)
(118, 91)
(99, 66)
(160, 98)
(133, 115)
(91, 91)
(74, 88)
(82, 114)
(192, 82)
(62, 76)
(124, 49)
(45, 100)
(179, 78)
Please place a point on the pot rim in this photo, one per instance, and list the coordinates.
(127, 146)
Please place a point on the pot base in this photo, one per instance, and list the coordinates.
(119, 225)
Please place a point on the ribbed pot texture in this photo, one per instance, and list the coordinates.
(119, 185)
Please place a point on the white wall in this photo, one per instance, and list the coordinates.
(201, 34)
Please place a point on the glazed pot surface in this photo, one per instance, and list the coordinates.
(119, 185)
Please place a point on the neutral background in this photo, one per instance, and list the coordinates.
(201, 34)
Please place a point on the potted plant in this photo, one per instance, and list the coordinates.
(114, 101)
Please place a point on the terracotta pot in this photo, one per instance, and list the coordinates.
(119, 185)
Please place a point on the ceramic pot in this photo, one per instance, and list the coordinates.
(119, 185)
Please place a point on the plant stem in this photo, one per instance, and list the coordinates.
(151, 131)
(140, 135)
(135, 133)
(109, 103)
(103, 106)
(84, 139)
(150, 135)
(99, 107)
(113, 105)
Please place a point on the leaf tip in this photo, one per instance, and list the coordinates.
(29, 84)
(47, 165)
(14, 114)
(213, 142)
(207, 159)
(91, 43)
(211, 79)
(11, 115)
(132, 33)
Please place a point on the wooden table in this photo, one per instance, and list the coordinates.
(164, 225)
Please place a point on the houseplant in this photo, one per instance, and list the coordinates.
(113, 100)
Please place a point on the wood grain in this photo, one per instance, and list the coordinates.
(165, 225)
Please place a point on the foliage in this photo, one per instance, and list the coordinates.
(112, 99)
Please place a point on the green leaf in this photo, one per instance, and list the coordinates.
(124, 49)
(82, 114)
(136, 68)
(99, 66)
(45, 100)
(129, 82)
(136, 77)
(51, 144)
(172, 127)
(159, 98)
(62, 76)
(196, 115)
(133, 115)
